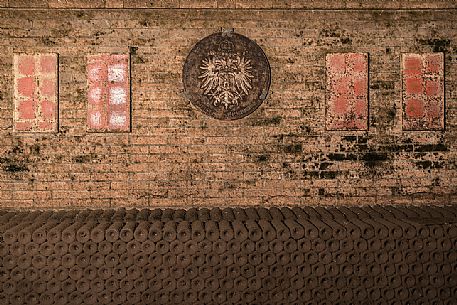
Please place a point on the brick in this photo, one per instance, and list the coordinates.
(226, 4)
(423, 91)
(241, 4)
(198, 4)
(28, 3)
(114, 4)
(151, 4)
(76, 3)
(347, 91)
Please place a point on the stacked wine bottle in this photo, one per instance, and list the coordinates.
(309, 255)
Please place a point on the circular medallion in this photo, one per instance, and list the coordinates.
(227, 76)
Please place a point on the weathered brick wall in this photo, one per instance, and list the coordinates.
(280, 154)
(233, 4)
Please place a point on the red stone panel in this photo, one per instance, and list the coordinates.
(26, 65)
(423, 91)
(35, 92)
(48, 64)
(27, 110)
(108, 94)
(347, 91)
(26, 86)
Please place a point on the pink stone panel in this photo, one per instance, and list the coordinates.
(48, 64)
(414, 108)
(108, 78)
(46, 126)
(412, 65)
(347, 91)
(48, 110)
(26, 65)
(35, 92)
(97, 83)
(24, 126)
(434, 63)
(432, 88)
(357, 62)
(118, 120)
(96, 119)
(423, 91)
(336, 63)
(96, 94)
(360, 87)
(27, 110)
(96, 68)
(48, 87)
(413, 86)
(341, 104)
(26, 86)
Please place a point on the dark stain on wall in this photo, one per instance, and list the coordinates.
(438, 45)
(15, 160)
(262, 158)
(273, 121)
(440, 147)
(373, 158)
(293, 149)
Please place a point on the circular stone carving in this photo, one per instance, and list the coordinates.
(227, 76)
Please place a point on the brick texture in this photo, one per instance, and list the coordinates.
(35, 93)
(423, 91)
(280, 154)
(233, 4)
(347, 91)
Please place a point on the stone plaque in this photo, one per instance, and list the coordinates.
(226, 75)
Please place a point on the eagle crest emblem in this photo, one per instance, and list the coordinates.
(226, 78)
(226, 75)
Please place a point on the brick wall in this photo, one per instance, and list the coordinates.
(281, 154)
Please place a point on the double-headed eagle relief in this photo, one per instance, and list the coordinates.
(227, 76)
(225, 79)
